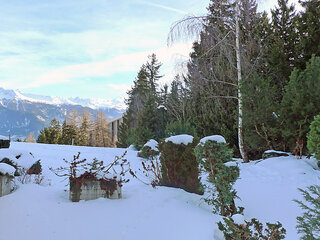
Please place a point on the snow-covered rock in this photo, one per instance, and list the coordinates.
(6, 169)
(180, 139)
(215, 138)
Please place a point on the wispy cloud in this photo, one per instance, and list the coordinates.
(164, 7)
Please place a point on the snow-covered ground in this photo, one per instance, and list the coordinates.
(34, 212)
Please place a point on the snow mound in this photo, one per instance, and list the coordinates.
(131, 148)
(180, 139)
(153, 144)
(3, 137)
(21, 158)
(274, 151)
(162, 107)
(238, 219)
(215, 138)
(7, 169)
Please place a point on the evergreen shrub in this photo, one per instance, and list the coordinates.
(149, 150)
(179, 166)
(179, 127)
(252, 230)
(314, 137)
(212, 156)
(309, 223)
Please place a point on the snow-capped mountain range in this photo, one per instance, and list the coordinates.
(93, 103)
(22, 113)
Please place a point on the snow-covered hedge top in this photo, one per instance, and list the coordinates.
(132, 148)
(21, 158)
(6, 169)
(163, 107)
(238, 219)
(274, 151)
(216, 138)
(153, 144)
(180, 139)
(3, 137)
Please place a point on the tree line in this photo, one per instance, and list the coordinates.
(278, 56)
(81, 130)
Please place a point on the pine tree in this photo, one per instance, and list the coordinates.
(43, 136)
(309, 222)
(68, 134)
(283, 57)
(301, 102)
(54, 132)
(309, 31)
(83, 133)
(140, 119)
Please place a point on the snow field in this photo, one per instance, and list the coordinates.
(34, 212)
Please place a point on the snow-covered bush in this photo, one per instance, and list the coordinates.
(179, 166)
(212, 153)
(21, 160)
(309, 222)
(149, 150)
(236, 228)
(314, 137)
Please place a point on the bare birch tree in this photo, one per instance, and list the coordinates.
(227, 40)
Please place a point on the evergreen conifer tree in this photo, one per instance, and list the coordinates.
(301, 101)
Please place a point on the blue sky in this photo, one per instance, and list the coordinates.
(88, 48)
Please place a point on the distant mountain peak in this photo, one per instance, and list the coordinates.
(52, 100)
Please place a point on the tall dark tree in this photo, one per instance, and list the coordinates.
(309, 31)
(282, 56)
(143, 99)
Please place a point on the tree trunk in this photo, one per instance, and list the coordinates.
(240, 124)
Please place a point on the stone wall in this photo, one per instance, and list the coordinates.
(92, 189)
(5, 185)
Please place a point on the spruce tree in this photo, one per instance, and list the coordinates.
(309, 31)
(54, 132)
(301, 101)
(140, 120)
(282, 57)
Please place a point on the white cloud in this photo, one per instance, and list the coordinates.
(119, 64)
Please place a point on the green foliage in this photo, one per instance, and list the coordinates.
(309, 31)
(252, 230)
(68, 133)
(212, 157)
(147, 152)
(51, 134)
(309, 223)
(301, 101)
(143, 120)
(11, 163)
(179, 166)
(179, 127)
(314, 137)
(261, 124)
